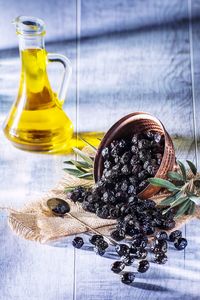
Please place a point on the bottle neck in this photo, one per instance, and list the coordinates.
(31, 42)
(30, 31)
(33, 65)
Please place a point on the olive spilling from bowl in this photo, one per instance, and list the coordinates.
(128, 163)
(135, 148)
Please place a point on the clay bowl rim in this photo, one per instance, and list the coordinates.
(111, 135)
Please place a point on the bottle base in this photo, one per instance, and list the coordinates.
(47, 149)
(78, 140)
(51, 146)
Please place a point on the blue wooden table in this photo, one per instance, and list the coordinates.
(127, 56)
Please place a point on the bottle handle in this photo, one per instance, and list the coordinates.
(54, 57)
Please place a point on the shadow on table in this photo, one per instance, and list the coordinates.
(149, 287)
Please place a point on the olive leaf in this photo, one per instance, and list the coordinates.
(79, 164)
(74, 172)
(183, 208)
(176, 203)
(183, 170)
(192, 167)
(84, 156)
(195, 199)
(81, 168)
(175, 176)
(179, 201)
(163, 183)
(167, 201)
(86, 176)
(191, 209)
(69, 162)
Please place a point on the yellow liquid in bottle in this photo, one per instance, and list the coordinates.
(37, 121)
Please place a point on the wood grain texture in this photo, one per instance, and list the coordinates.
(195, 61)
(133, 55)
(146, 67)
(29, 270)
(192, 230)
(58, 16)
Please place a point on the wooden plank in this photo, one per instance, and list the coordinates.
(195, 65)
(144, 68)
(141, 67)
(29, 270)
(192, 229)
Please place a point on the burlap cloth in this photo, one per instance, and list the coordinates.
(35, 221)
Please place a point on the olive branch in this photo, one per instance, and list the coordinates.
(184, 187)
(81, 168)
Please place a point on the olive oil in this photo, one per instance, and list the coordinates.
(37, 121)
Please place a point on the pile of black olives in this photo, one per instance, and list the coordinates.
(127, 166)
(128, 163)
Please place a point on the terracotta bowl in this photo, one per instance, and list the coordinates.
(126, 127)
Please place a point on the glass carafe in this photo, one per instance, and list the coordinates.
(37, 121)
